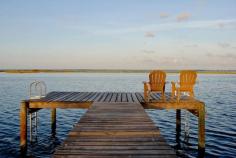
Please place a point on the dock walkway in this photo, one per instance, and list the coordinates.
(115, 124)
(115, 130)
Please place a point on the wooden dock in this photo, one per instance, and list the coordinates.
(115, 130)
(115, 124)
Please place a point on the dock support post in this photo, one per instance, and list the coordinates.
(53, 121)
(178, 126)
(201, 127)
(23, 127)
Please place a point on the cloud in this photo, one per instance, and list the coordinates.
(221, 25)
(164, 61)
(150, 34)
(222, 56)
(164, 15)
(224, 45)
(148, 51)
(183, 17)
(158, 64)
(192, 45)
(203, 24)
(229, 56)
(209, 54)
(210, 61)
(149, 61)
(225, 25)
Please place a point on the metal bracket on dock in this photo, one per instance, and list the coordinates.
(37, 90)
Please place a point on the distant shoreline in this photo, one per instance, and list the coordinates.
(106, 71)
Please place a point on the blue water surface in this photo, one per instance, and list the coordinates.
(217, 91)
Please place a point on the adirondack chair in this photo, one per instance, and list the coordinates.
(157, 79)
(186, 83)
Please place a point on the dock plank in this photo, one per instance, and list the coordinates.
(91, 94)
(108, 98)
(129, 98)
(114, 96)
(124, 97)
(102, 97)
(115, 130)
(119, 96)
(95, 95)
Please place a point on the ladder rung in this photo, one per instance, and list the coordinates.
(33, 123)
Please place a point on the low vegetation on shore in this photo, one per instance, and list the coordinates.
(107, 71)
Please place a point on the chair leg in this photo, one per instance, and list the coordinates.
(178, 95)
(191, 93)
(173, 92)
(145, 95)
(163, 94)
(173, 89)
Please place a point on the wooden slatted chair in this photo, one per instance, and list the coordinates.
(186, 83)
(157, 80)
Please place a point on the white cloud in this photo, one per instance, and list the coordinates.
(224, 45)
(164, 15)
(183, 17)
(221, 25)
(150, 34)
(192, 45)
(148, 51)
(207, 24)
(222, 56)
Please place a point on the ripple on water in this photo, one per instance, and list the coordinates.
(217, 91)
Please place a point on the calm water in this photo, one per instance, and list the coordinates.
(217, 91)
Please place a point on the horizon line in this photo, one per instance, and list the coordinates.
(110, 71)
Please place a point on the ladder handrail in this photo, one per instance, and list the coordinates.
(38, 84)
(39, 89)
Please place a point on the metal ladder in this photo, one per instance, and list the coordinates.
(37, 90)
(187, 119)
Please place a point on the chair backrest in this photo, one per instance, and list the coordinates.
(157, 79)
(187, 79)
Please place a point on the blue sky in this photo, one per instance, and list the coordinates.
(118, 34)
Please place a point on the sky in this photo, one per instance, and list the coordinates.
(118, 34)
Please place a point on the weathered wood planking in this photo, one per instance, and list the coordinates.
(85, 99)
(104, 97)
(55, 100)
(115, 130)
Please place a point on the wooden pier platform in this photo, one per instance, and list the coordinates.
(115, 124)
(115, 130)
